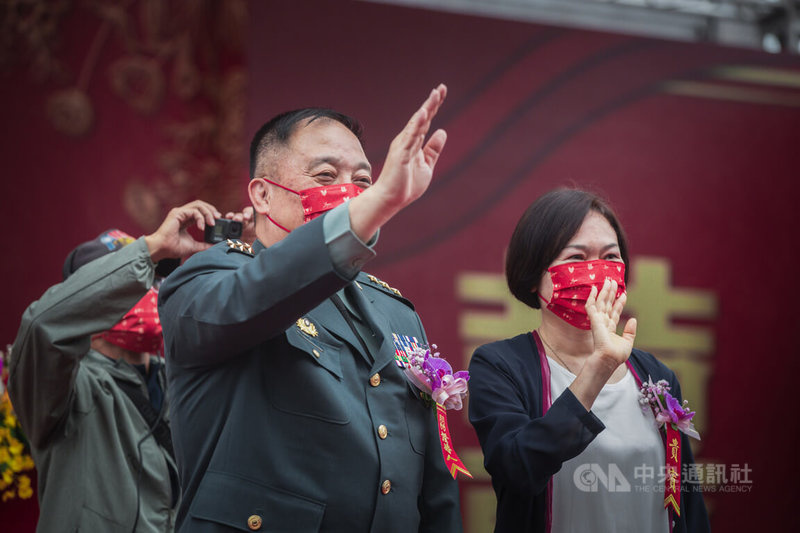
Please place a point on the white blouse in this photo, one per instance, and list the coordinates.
(616, 484)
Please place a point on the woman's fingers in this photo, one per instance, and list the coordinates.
(603, 307)
(591, 302)
(616, 309)
(629, 333)
(602, 298)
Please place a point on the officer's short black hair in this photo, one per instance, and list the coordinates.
(544, 230)
(279, 129)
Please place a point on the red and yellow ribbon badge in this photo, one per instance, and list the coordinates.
(451, 460)
(672, 482)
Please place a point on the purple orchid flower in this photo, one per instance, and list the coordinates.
(436, 368)
(676, 414)
(666, 408)
(434, 375)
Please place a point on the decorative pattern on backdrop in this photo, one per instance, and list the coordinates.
(176, 63)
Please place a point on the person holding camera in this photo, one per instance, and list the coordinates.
(89, 389)
(290, 410)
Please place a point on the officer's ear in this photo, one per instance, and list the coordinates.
(259, 193)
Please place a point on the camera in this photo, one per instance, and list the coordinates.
(222, 229)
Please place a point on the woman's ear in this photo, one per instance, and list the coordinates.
(259, 194)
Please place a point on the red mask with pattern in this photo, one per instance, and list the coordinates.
(572, 283)
(140, 328)
(318, 200)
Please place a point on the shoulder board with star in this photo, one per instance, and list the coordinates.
(235, 245)
(384, 287)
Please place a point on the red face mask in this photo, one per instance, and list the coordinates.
(140, 328)
(572, 283)
(318, 200)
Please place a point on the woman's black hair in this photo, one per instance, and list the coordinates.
(544, 230)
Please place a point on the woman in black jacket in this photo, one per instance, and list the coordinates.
(568, 443)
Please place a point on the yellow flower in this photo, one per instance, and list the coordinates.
(15, 447)
(14, 457)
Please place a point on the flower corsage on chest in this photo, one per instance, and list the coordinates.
(673, 418)
(439, 386)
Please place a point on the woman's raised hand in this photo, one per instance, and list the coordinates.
(610, 349)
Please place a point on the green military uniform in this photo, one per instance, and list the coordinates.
(100, 468)
(289, 411)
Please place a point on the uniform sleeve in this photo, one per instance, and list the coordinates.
(348, 252)
(521, 451)
(221, 303)
(56, 330)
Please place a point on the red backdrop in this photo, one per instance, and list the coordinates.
(690, 143)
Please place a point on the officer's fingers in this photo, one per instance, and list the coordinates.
(434, 102)
(434, 146)
(413, 135)
(410, 139)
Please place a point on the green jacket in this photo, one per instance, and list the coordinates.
(87, 437)
(286, 418)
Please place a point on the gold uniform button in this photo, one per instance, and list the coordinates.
(254, 522)
(375, 380)
(382, 431)
(316, 353)
(386, 486)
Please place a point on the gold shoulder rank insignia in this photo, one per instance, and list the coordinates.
(383, 284)
(240, 246)
(307, 327)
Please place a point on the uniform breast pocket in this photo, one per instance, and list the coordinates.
(304, 378)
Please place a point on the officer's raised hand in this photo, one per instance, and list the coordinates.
(406, 173)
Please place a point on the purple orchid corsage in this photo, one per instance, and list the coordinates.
(666, 408)
(434, 376)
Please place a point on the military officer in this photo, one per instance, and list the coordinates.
(289, 412)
